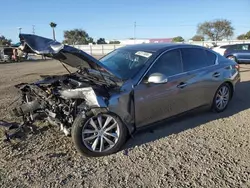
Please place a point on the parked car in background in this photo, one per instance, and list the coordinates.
(239, 53)
(220, 49)
(106, 100)
(6, 54)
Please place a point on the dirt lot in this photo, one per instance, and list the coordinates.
(200, 150)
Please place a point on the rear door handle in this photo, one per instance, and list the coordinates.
(216, 74)
(182, 85)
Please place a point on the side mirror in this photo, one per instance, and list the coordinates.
(157, 78)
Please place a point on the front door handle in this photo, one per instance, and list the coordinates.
(182, 85)
(216, 74)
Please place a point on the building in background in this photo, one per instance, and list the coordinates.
(141, 41)
(132, 41)
(160, 40)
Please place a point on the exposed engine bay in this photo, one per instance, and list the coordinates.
(59, 99)
(92, 104)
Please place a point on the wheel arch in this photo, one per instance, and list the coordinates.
(231, 87)
(232, 55)
(77, 128)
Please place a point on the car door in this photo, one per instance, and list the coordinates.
(200, 71)
(157, 101)
(243, 52)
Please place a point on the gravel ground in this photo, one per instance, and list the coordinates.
(200, 150)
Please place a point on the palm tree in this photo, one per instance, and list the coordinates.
(53, 25)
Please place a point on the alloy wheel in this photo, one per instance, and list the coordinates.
(100, 133)
(222, 97)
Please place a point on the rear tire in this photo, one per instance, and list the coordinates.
(100, 135)
(222, 98)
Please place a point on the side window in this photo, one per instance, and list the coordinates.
(244, 47)
(168, 64)
(233, 47)
(211, 58)
(225, 46)
(193, 58)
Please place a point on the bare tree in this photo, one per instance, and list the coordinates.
(216, 30)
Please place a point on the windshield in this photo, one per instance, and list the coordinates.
(125, 63)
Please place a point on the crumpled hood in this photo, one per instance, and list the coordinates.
(67, 54)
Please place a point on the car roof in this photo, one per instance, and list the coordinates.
(154, 47)
(238, 44)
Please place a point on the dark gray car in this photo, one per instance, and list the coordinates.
(107, 100)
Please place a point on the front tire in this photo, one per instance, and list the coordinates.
(222, 98)
(99, 135)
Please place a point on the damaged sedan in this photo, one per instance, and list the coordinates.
(107, 100)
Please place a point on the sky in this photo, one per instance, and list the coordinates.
(114, 19)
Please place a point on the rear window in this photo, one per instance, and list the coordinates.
(244, 47)
(193, 58)
(234, 47)
(211, 58)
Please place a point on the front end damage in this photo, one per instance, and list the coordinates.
(87, 94)
(55, 104)
(58, 101)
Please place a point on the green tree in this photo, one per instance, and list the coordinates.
(4, 41)
(115, 42)
(77, 36)
(241, 37)
(216, 30)
(91, 40)
(197, 38)
(248, 35)
(178, 39)
(101, 41)
(244, 36)
(53, 26)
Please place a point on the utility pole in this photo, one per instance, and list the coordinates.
(134, 32)
(33, 29)
(20, 29)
